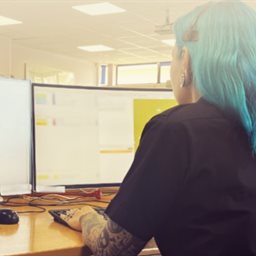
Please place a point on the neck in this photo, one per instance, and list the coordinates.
(190, 95)
(195, 95)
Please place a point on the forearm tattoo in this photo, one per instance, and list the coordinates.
(106, 238)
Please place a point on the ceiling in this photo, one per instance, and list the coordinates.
(53, 26)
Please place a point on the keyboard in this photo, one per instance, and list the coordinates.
(56, 214)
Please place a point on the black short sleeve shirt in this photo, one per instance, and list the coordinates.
(192, 185)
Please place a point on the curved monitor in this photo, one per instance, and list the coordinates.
(85, 136)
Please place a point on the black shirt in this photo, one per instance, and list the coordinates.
(192, 185)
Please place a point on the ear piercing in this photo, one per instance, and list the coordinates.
(182, 80)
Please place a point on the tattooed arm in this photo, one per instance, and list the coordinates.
(103, 237)
(106, 238)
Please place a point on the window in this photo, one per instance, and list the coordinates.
(103, 79)
(137, 74)
(61, 77)
(165, 71)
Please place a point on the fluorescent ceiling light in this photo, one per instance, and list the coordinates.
(4, 21)
(170, 42)
(98, 9)
(95, 48)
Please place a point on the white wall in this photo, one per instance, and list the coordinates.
(84, 71)
(5, 51)
(16, 60)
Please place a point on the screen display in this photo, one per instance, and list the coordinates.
(86, 135)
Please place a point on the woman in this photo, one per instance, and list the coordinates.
(192, 184)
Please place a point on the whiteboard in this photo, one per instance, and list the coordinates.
(85, 135)
(15, 136)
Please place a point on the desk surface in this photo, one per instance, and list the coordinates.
(37, 234)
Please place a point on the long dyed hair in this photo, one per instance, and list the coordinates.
(221, 39)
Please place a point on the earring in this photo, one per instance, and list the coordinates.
(182, 80)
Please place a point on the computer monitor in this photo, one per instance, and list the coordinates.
(85, 136)
(15, 136)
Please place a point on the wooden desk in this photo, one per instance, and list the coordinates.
(37, 234)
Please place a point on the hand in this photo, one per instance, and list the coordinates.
(72, 217)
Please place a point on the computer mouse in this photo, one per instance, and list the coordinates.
(8, 216)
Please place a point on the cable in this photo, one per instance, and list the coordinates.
(39, 207)
(17, 204)
(41, 200)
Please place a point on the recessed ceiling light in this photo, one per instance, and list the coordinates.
(4, 21)
(99, 8)
(95, 48)
(170, 42)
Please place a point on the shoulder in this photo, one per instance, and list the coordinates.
(202, 109)
(182, 119)
(188, 113)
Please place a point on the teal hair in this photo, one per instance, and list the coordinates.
(223, 57)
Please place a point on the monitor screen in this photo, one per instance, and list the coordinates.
(16, 136)
(85, 136)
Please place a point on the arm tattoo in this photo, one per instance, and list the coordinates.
(107, 238)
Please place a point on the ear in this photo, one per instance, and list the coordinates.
(186, 63)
